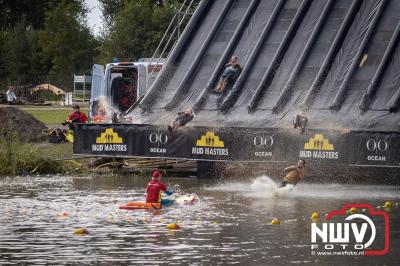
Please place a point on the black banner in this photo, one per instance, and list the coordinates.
(239, 144)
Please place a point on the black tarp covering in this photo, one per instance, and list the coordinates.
(240, 144)
(352, 67)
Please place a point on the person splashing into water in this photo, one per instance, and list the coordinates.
(154, 189)
(295, 173)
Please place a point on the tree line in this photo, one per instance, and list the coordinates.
(52, 37)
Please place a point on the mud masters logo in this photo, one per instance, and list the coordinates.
(109, 141)
(319, 147)
(210, 144)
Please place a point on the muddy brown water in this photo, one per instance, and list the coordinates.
(229, 225)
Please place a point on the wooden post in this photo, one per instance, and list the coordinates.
(74, 87)
(84, 83)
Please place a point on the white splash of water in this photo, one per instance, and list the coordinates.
(261, 187)
(265, 187)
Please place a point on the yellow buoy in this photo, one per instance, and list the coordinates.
(315, 216)
(275, 221)
(353, 210)
(81, 231)
(388, 204)
(173, 226)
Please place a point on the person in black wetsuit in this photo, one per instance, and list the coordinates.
(231, 73)
(181, 120)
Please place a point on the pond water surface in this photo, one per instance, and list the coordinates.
(230, 224)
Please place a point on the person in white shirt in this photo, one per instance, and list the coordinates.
(11, 96)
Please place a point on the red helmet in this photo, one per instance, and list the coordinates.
(156, 174)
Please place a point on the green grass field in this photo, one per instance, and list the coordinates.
(51, 116)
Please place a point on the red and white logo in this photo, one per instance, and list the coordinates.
(353, 234)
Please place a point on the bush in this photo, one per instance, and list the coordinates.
(19, 158)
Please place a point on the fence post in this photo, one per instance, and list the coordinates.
(84, 87)
(74, 88)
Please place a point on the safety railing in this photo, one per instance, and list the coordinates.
(174, 30)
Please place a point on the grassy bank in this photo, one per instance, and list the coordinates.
(48, 116)
(51, 116)
(21, 158)
(18, 158)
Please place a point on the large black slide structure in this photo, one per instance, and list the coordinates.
(336, 60)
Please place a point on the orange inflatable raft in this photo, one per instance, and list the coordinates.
(140, 205)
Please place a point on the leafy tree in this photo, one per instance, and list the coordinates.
(12, 12)
(3, 37)
(66, 44)
(110, 8)
(136, 27)
(20, 58)
(18, 49)
(46, 37)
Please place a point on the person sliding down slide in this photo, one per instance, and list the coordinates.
(154, 189)
(181, 120)
(231, 73)
(294, 174)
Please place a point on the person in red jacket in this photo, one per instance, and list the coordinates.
(154, 189)
(75, 117)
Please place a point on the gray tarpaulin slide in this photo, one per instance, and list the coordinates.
(338, 60)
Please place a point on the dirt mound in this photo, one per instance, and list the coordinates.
(20, 123)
